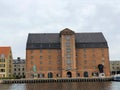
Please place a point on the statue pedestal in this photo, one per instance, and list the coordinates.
(101, 74)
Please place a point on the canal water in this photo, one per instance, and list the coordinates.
(63, 86)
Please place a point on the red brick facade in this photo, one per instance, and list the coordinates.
(66, 61)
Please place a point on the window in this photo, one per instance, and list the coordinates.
(40, 62)
(94, 62)
(68, 61)
(32, 57)
(78, 74)
(85, 55)
(32, 75)
(23, 69)
(31, 51)
(93, 55)
(93, 50)
(2, 60)
(19, 73)
(18, 69)
(58, 75)
(58, 62)
(68, 51)
(68, 67)
(49, 62)
(14, 69)
(103, 60)
(49, 51)
(58, 51)
(67, 44)
(49, 57)
(112, 63)
(67, 37)
(2, 56)
(58, 57)
(2, 70)
(85, 61)
(10, 56)
(84, 50)
(2, 65)
(40, 50)
(40, 75)
(85, 67)
(117, 67)
(68, 56)
(31, 63)
(41, 57)
(102, 51)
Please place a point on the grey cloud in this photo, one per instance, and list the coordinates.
(20, 17)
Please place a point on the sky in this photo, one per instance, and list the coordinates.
(20, 17)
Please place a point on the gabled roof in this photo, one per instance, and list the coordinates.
(55, 38)
(52, 40)
(67, 31)
(5, 50)
(19, 61)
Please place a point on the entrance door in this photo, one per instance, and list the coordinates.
(85, 74)
(50, 75)
(69, 74)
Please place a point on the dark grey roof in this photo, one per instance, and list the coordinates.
(52, 40)
(43, 38)
(89, 37)
(21, 61)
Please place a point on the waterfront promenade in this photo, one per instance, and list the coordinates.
(49, 80)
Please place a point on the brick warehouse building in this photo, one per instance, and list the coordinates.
(66, 54)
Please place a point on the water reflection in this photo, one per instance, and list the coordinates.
(18, 87)
(70, 86)
(63, 86)
(5, 87)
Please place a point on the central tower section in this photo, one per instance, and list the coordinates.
(68, 53)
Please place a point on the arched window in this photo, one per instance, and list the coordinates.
(50, 75)
(58, 75)
(69, 74)
(78, 74)
(85, 74)
(43, 75)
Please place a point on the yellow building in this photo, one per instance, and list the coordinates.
(5, 62)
